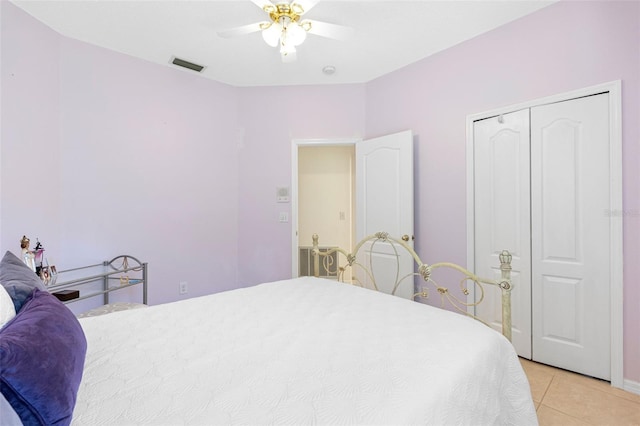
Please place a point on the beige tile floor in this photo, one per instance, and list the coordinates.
(565, 399)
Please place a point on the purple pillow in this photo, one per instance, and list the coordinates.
(42, 351)
(18, 279)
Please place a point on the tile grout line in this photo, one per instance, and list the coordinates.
(556, 377)
(582, 421)
(561, 378)
(544, 394)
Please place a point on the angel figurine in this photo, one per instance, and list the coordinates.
(28, 256)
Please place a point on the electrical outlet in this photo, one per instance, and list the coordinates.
(183, 287)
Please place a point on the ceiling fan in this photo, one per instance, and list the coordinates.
(286, 28)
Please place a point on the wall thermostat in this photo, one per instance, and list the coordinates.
(282, 194)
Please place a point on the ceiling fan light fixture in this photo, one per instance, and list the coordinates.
(272, 34)
(269, 8)
(297, 9)
(286, 49)
(285, 27)
(306, 25)
(295, 34)
(289, 58)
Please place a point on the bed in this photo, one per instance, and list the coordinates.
(301, 351)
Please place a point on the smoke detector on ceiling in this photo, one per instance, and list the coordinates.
(329, 70)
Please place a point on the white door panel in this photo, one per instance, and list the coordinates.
(502, 218)
(382, 260)
(571, 264)
(571, 254)
(384, 201)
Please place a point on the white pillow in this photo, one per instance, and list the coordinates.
(7, 310)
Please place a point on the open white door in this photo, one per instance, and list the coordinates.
(384, 203)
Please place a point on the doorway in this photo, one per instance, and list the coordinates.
(323, 197)
(326, 204)
(380, 196)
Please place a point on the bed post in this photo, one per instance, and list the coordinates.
(316, 256)
(505, 285)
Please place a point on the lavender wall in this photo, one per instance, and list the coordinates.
(149, 166)
(29, 181)
(566, 46)
(105, 154)
(271, 117)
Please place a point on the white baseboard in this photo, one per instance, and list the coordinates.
(631, 386)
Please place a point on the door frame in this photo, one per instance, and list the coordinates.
(614, 88)
(295, 144)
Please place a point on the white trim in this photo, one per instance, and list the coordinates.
(616, 261)
(631, 386)
(615, 158)
(295, 144)
(471, 229)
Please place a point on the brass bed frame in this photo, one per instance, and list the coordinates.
(353, 261)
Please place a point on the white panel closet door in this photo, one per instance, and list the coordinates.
(502, 217)
(571, 235)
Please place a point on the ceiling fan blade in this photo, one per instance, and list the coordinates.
(265, 5)
(242, 30)
(325, 29)
(303, 6)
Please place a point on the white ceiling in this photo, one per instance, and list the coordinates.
(388, 34)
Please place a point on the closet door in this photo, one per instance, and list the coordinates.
(570, 244)
(502, 217)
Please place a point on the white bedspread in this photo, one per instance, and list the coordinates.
(303, 351)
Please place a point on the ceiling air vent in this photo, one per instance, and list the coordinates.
(186, 64)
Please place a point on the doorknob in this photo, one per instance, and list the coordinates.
(405, 237)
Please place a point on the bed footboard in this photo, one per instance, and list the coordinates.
(351, 268)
